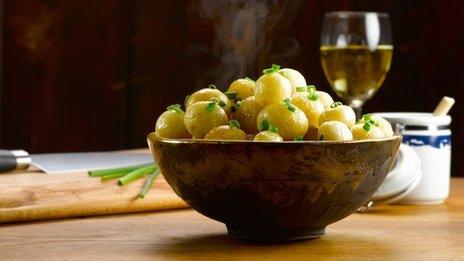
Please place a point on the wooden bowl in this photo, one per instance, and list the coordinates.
(274, 191)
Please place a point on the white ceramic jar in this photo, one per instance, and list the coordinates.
(430, 137)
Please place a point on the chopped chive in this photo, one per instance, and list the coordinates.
(249, 79)
(300, 89)
(274, 68)
(286, 102)
(264, 125)
(234, 124)
(211, 106)
(268, 71)
(298, 138)
(367, 126)
(372, 122)
(335, 105)
(367, 117)
(313, 96)
(273, 128)
(311, 88)
(289, 105)
(222, 104)
(231, 95)
(291, 108)
(136, 174)
(174, 107)
(369, 122)
(212, 86)
(104, 172)
(148, 183)
(113, 176)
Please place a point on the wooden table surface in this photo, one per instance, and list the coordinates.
(389, 232)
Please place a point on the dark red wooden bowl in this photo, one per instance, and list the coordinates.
(268, 191)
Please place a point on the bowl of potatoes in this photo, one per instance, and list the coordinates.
(273, 159)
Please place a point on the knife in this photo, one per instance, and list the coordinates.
(14, 160)
(54, 163)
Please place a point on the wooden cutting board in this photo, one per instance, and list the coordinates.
(34, 195)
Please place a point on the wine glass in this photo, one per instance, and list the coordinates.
(356, 52)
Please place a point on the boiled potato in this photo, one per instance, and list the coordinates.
(203, 116)
(227, 132)
(207, 94)
(325, 98)
(295, 77)
(365, 131)
(384, 125)
(272, 88)
(279, 106)
(170, 123)
(243, 88)
(334, 131)
(247, 113)
(267, 136)
(289, 120)
(311, 106)
(338, 112)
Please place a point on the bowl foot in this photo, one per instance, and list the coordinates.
(273, 234)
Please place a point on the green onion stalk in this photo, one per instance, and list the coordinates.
(126, 175)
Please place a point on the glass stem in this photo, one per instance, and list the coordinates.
(358, 110)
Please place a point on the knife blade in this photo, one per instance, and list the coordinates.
(55, 163)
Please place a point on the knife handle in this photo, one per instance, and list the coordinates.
(13, 160)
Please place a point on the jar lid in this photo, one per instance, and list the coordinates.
(415, 118)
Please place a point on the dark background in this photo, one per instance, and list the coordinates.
(82, 75)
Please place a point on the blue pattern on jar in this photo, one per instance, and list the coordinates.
(434, 141)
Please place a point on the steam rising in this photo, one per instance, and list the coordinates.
(248, 36)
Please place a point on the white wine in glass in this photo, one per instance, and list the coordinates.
(356, 52)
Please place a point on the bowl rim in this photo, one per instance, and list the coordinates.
(153, 137)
